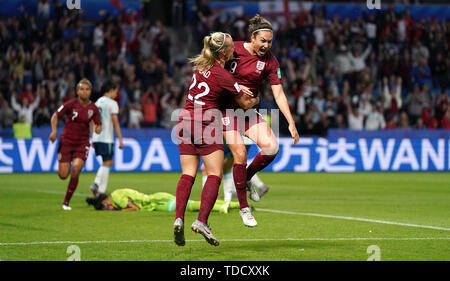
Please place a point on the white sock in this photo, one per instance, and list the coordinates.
(104, 179)
(256, 181)
(98, 176)
(228, 186)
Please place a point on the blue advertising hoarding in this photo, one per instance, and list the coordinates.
(310, 155)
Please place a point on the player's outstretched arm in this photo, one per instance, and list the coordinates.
(281, 100)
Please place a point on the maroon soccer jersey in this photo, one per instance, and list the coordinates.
(250, 70)
(76, 130)
(199, 131)
(209, 88)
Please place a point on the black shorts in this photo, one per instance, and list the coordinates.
(106, 150)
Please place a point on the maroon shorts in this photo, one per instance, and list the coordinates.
(67, 152)
(241, 120)
(198, 138)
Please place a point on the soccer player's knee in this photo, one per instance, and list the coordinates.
(63, 175)
(240, 156)
(271, 149)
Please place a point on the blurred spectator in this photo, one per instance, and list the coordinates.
(420, 125)
(149, 103)
(355, 119)
(421, 73)
(24, 109)
(419, 52)
(168, 107)
(404, 121)
(98, 36)
(375, 119)
(7, 115)
(136, 117)
(445, 121)
(414, 103)
(392, 122)
(27, 94)
(392, 97)
(442, 105)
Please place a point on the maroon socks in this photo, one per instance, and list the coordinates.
(259, 163)
(209, 196)
(240, 182)
(183, 192)
(70, 190)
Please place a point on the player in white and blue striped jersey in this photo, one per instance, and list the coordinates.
(104, 142)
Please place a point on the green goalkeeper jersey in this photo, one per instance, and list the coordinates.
(120, 198)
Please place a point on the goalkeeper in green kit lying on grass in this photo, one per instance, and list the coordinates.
(127, 199)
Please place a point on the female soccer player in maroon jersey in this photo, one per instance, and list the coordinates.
(199, 130)
(253, 63)
(74, 144)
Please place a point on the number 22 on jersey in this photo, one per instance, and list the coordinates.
(200, 86)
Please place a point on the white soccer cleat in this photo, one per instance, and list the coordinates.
(247, 218)
(252, 193)
(66, 207)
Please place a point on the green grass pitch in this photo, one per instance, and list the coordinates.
(314, 216)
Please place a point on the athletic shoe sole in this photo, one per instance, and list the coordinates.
(208, 239)
(178, 235)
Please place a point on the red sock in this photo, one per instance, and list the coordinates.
(209, 197)
(73, 183)
(259, 163)
(240, 182)
(182, 195)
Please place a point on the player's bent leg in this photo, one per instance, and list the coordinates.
(264, 137)
(63, 170)
(77, 166)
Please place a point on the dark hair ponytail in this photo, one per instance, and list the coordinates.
(258, 23)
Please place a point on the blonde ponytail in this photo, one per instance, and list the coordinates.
(212, 44)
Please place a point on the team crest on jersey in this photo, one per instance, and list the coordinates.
(260, 66)
(90, 113)
(226, 121)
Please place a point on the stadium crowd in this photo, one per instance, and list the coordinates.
(382, 71)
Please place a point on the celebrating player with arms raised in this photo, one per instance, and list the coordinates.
(253, 64)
